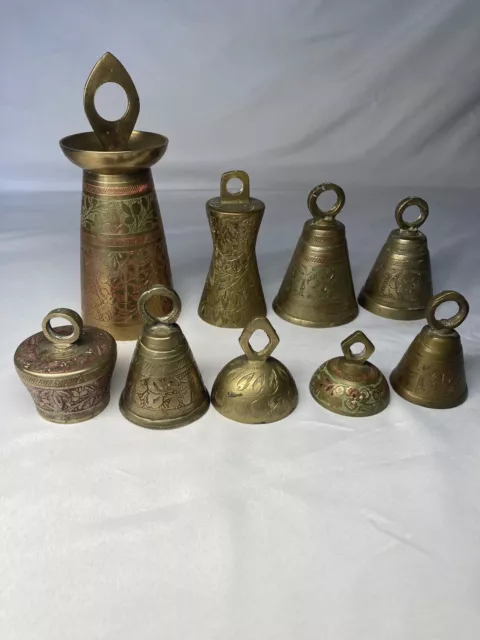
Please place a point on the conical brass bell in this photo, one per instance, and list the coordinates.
(164, 388)
(400, 283)
(350, 385)
(317, 290)
(432, 371)
(255, 388)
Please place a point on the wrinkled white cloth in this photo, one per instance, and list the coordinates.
(317, 526)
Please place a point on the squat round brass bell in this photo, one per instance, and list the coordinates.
(164, 388)
(432, 371)
(400, 283)
(317, 290)
(350, 385)
(255, 388)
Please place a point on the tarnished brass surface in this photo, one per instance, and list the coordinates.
(400, 283)
(350, 385)
(164, 388)
(255, 388)
(67, 370)
(317, 290)
(233, 293)
(123, 246)
(432, 371)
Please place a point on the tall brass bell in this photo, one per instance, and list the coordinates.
(255, 388)
(164, 388)
(351, 385)
(432, 371)
(317, 290)
(400, 283)
(233, 292)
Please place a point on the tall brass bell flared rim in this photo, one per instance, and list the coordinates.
(388, 269)
(427, 354)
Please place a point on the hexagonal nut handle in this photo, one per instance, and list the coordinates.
(273, 339)
(355, 338)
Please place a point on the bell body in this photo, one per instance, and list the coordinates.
(254, 391)
(317, 290)
(233, 293)
(400, 282)
(432, 371)
(123, 250)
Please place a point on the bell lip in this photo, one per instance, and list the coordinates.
(413, 399)
(88, 414)
(168, 423)
(84, 150)
(344, 413)
(383, 311)
(260, 422)
(309, 323)
(237, 325)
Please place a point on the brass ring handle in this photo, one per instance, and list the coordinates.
(447, 323)
(404, 205)
(265, 325)
(355, 338)
(315, 194)
(163, 291)
(243, 195)
(59, 338)
(113, 134)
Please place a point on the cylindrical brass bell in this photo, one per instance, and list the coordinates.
(350, 385)
(432, 370)
(255, 388)
(317, 290)
(123, 246)
(164, 388)
(233, 293)
(400, 283)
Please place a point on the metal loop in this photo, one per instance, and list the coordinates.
(160, 290)
(60, 338)
(404, 205)
(113, 134)
(265, 325)
(243, 195)
(315, 194)
(446, 323)
(355, 338)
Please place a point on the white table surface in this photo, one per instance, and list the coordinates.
(316, 527)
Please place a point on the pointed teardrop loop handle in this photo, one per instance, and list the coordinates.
(315, 194)
(355, 338)
(404, 205)
(241, 196)
(60, 338)
(113, 134)
(160, 290)
(447, 323)
(273, 339)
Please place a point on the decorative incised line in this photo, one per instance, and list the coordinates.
(129, 190)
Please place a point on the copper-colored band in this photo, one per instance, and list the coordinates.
(126, 242)
(120, 190)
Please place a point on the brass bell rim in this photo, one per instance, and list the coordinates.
(85, 151)
(391, 313)
(381, 406)
(253, 423)
(167, 423)
(74, 418)
(311, 323)
(240, 324)
(420, 402)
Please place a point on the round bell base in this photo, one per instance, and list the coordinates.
(238, 418)
(168, 423)
(79, 416)
(309, 323)
(389, 312)
(421, 402)
(350, 414)
(241, 323)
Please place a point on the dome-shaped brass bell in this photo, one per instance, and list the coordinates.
(350, 385)
(317, 290)
(400, 283)
(164, 388)
(255, 388)
(432, 371)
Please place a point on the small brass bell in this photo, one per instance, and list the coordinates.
(317, 290)
(350, 385)
(400, 283)
(164, 388)
(255, 388)
(432, 371)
